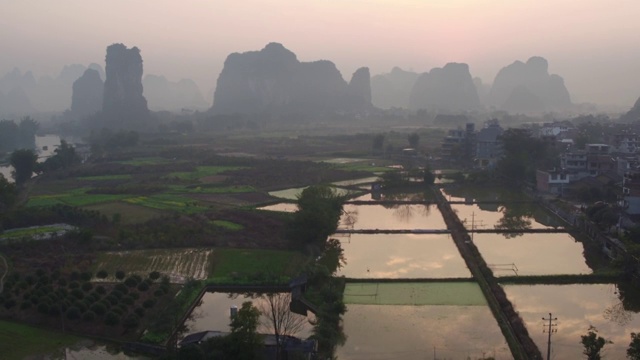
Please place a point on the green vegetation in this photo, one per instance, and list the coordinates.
(74, 197)
(202, 172)
(209, 189)
(128, 213)
(186, 263)
(146, 161)
(29, 232)
(105, 177)
(228, 225)
(167, 202)
(19, 341)
(251, 265)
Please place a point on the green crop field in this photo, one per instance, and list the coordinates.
(178, 189)
(228, 225)
(129, 213)
(178, 264)
(75, 197)
(26, 232)
(147, 161)
(19, 341)
(168, 202)
(105, 177)
(201, 172)
(228, 263)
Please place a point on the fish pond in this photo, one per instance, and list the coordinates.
(419, 320)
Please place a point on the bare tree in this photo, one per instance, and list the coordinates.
(279, 319)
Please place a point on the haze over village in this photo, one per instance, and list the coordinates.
(446, 179)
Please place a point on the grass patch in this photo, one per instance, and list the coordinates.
(178, 264)
(169, 202)
(211, 189)
(19, 341)
(75, 197)
(363, 166)
(250, 265)
(202, 171)
(106, 177)
(129, 213)
(228, 225)
(28, 232)
(147, 161)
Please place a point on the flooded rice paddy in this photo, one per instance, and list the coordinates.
(532, 254)
(430, 293)
(214, 311)
(393, 256)
(389, 217)
(421, 332)
(284, 207)
(577, 307)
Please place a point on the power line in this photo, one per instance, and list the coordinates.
(550, 329)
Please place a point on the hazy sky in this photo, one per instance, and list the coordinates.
(593, 44)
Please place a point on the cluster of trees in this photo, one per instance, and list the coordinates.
(18, 136)
(378, 148)
(524, 154)
(594, 343)
(73, 297)
(318, 215)
(25, 162)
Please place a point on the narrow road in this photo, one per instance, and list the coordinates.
(520, 343)
(6, 271)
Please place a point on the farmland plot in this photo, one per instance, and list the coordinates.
(178, 264)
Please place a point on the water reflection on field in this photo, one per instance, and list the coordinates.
(532, 254)
(214, 311)
(401, 256)
(416, 332)
(391, 217)
(293, 193)
(284, 207)
(577, 307)
(510, 216)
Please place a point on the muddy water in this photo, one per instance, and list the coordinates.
(401, 256)
(89, 349)
(416, 332)
(532, 254)
(576, 307)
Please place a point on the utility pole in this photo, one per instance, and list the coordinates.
(550, 329)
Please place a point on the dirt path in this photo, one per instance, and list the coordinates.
(521, 345)
(6, 271)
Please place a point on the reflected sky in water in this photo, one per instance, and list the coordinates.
(487, 216)
(401, 256)
(395, 217)
(533, 254)
(576, 307)
(412, 332)
(285, 207)
(214, 311)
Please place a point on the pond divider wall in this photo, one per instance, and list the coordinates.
(520, 343)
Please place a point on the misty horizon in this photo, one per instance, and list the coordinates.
(591, 47)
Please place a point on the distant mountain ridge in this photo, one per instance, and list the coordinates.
(273, 80)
